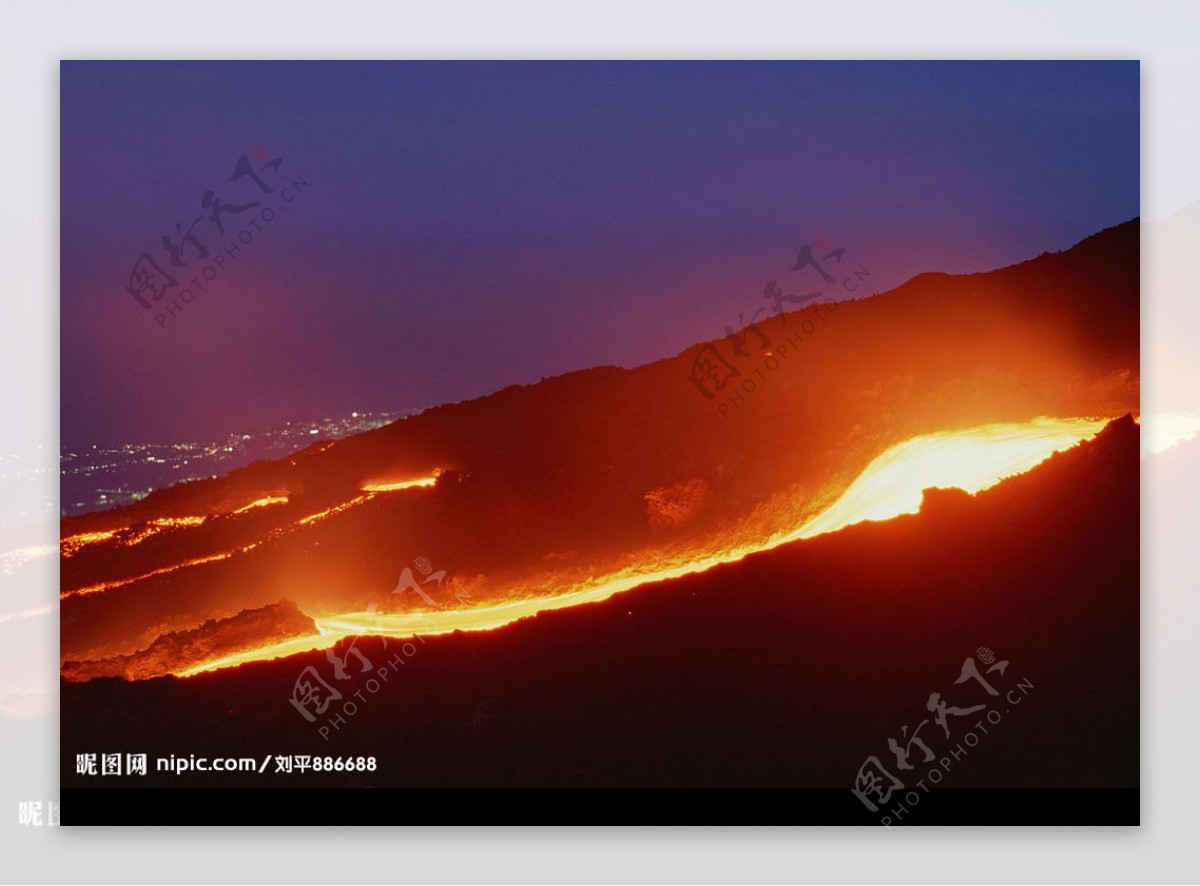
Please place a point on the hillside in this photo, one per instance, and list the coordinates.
(585, 472)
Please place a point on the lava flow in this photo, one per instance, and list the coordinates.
(973, 459)
(72, 545)
(262, 503)
(394, 485)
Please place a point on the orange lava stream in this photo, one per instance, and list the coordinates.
(295, 646)
(73, 544)
(394, 485)
(336, 509)
(973, 459)
(167, 522)
(262, 503)
(121, 582)
(156, 526)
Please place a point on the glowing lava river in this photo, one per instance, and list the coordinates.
(972, 459)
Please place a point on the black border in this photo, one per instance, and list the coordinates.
(600, 806)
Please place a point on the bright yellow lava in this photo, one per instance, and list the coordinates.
(307, 643)
(972, 459)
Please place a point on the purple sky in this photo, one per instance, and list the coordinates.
(467, 225)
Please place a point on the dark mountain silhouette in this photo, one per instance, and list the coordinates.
(609, 466)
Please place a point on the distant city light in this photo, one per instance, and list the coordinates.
(126, 473)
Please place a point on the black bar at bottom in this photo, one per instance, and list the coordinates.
(583, 806)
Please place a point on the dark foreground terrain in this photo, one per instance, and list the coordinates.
(788, 669)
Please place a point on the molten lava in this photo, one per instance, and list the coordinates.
(369, 491)
(262, 503)
(973, 459)
(168, 522)
(336, 509)
(102, 586)
(73, 544)
(394, 485)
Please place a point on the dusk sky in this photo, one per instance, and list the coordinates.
(466, 226)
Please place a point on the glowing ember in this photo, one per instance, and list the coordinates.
(972, 459)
